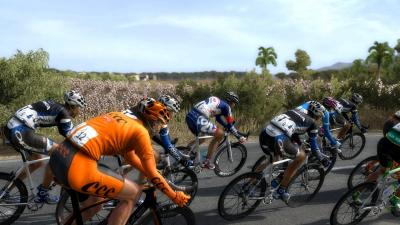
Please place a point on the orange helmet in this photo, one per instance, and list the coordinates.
(153, 110)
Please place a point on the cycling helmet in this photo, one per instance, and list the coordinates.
(231, 96)
(356, 98)
(153, 110)
(171, 103)
(331, 103)
(316, 108)
(74, 98)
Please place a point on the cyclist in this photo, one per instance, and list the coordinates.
(74, 161)
(281, 137)
(351, 106)
(198, 121)
(332, 107)
(20, 130)
(388, 150)
(163, 138)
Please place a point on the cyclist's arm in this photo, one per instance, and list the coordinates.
(143, 159)
(355, 118)
(312, 134)
(327, 128)
(227, 113)
(166, 143)
(64, 123)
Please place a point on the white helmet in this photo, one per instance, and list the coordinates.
(316, 108)
(171, 103)
(74, 98)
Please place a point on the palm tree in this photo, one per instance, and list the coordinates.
(266, 56)
(381, 54)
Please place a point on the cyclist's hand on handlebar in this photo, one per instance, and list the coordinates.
(181, 199)
(363, 129)
(242, 139)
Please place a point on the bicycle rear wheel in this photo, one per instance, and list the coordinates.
(242, 196)
(305, 184)
(360, 173)
(347, 209)
(169, 215)
(352, 145)
(64, 210)
(13, 202)
(225, 165)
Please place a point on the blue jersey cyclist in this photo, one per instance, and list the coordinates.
(173, 106)
(332, 107)
(20, 130)
(198, 121)
(280, 138)
(350, 106)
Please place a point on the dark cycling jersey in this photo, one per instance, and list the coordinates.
(349, 106)
(46, 113)
(294, 122)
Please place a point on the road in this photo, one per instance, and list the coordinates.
(317, 212)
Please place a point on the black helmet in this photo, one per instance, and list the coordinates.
(232, 97)
(356, 98)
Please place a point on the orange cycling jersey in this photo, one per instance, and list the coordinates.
(123, 134)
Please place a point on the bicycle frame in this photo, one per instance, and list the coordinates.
(225, 141)
(25, 167)
(382, 185)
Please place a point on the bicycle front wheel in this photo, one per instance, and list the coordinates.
(348, 210)
(227, 164)
(305, 184)
(14, 200)
(169, 215)
(352, 145)
(360, 173)
(242, 196)
(182, 180)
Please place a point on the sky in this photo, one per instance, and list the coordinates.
(186, 36)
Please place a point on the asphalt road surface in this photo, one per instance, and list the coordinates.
(317, 212)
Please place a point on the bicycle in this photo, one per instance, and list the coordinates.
(14, 195)
(353, 143)
(364, 168)
(365, 198)
(148, 212)
(250, 188)
(180, 179)
(233, 154)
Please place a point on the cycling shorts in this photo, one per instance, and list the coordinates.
(199, 124)
(81, 173)
(24, 137)
(387, 151)
(272, 145)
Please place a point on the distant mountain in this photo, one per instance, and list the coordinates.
(336, 66)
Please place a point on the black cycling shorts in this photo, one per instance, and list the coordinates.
(269, 145)
(387, 151)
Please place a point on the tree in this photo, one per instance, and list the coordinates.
(381, 54)
(358, 67)
(300, 65)
(397, 47)
(266, 56)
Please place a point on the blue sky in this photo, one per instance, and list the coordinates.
(222, 35)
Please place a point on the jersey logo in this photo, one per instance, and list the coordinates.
(82, 136)
(95, 187)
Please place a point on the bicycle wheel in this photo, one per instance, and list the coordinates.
(64, 210)
(224, 166)
(305, 184)
(181, 180)
(242, 196)
(347, 209)
(169, 215)
(359, 174)
(352, 145)
(260, 164)
(13, 202)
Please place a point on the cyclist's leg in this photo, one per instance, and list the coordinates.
(292, 151)
(191, 122)
(384, 155)
(212, 147)
(345, 127)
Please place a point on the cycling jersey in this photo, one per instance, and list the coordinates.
(117, 133)
(326, 117)
(389, 146)
(294, 122)
(391, 130)
(21, 127)
(198, 119)
(349, 106)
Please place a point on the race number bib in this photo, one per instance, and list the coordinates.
(284, 122)
(28, 116)
(83, 135)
